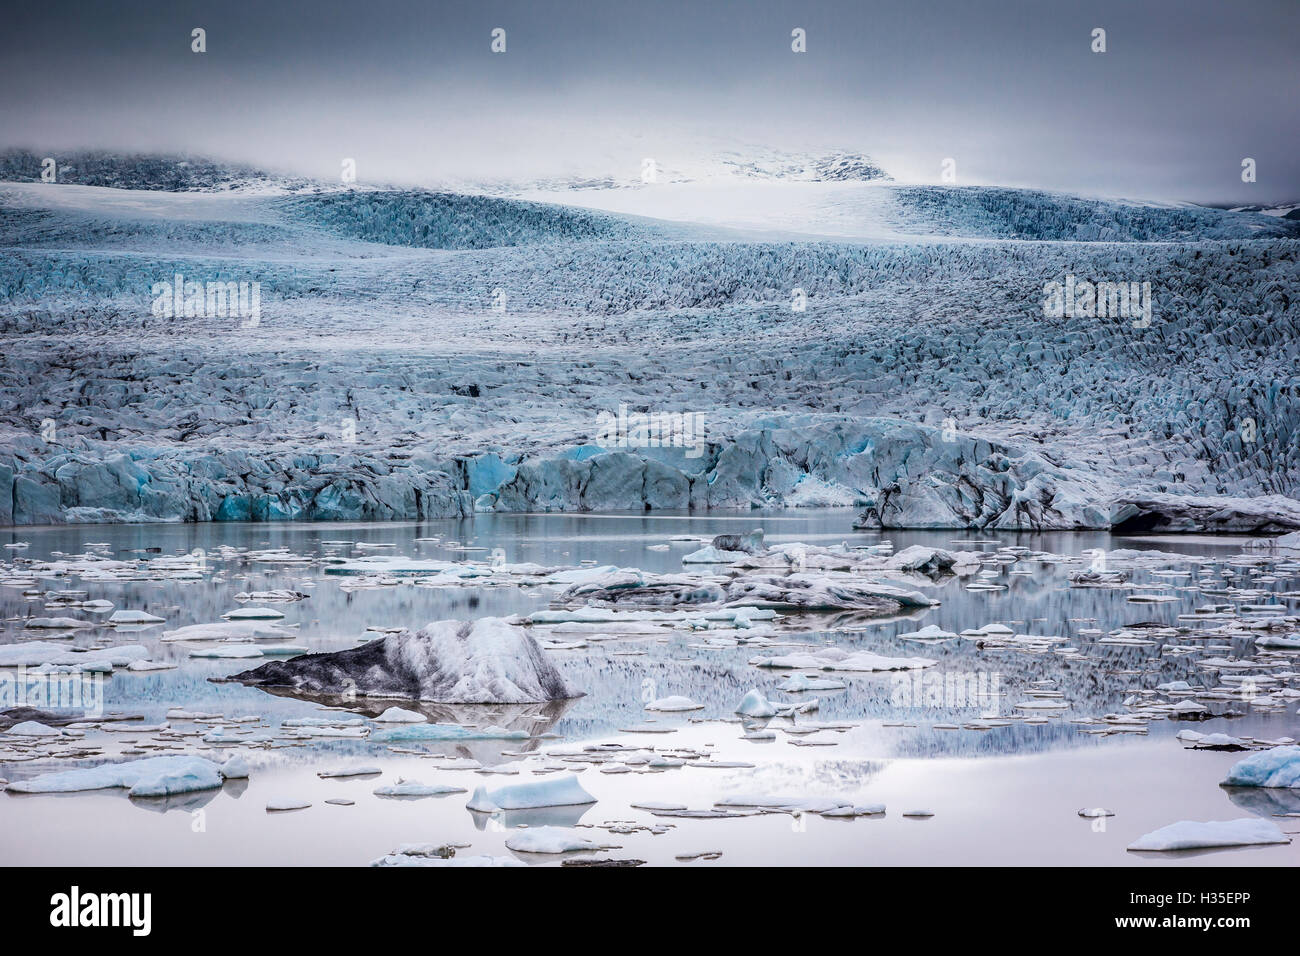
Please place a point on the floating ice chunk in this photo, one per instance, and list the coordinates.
(33, 728)
(490, 660)
(563, 791)
(673, 704)
(414, 788)
(236, 768)
(253, 614)
(286, 803)
(797, 683)
(397, 858)
(236, 651)
(366, 771)
(754, 704)
(428, 731)
(837, 659)
(224, 631)
(931, 632)
(56, 623)
(1093, 812)
(151, 666)
(38, 653)
(1273, 640)
(399, 715)
(150, 777)
(712, 555)
(1278, 767)
(550, 840)
(134, 617)
(1191, 835)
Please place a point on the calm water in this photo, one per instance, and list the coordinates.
(1006, 795)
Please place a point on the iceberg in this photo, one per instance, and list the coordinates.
(1278, 767)
(149, 777)
(563, 791)
(1191, 835)
(490, 660)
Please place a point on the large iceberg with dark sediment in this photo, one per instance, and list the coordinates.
(488, 661)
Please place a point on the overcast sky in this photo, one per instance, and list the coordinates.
(411, 90)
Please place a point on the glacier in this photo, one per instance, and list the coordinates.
(428, 354)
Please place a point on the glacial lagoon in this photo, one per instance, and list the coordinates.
(999, 743)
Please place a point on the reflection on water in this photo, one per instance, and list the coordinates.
(893, 714)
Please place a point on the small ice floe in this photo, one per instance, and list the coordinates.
(135, 618)
(552, 840)
(276, 594)
(231, 651)
(435, 731)
(797, 683)
(236, 768)
(1093, 812)
(282, 650)
(149, 777)
(930, 634)
(33, 728)
(1192, 835)
(365, 771)
(427, 854)
(223, 735)
(151, 666)
(414, 788)
(1278, 642)
(39, 653)
(253, 614)
(284, 804)
(863, 810)
(1212, 741)
(918, 814)
(399, 715)
(657, 805)
(177, 713)
(563, 791)
(224, 631)
(673, 704)
(340, 802)
(837, 659)
(825, 806)
(754, 704)
(1278, 767)
(56, 623)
